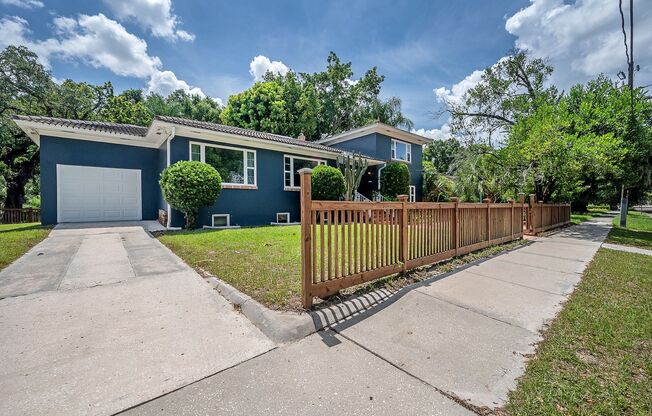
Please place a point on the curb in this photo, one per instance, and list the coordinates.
(285, 327)
(280, 327)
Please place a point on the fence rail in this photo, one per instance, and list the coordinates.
(19, 215)
(348, 243)
(542, 217)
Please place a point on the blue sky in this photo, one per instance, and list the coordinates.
(428, 50)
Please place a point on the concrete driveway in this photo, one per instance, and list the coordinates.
(99, 318)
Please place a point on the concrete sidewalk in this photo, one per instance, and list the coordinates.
(452, 345)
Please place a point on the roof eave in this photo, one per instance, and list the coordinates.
(34, 130)
(378, 127)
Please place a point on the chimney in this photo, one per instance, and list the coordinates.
(301, 137)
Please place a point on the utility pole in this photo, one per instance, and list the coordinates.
(630, 84)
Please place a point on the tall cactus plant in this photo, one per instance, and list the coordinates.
(353, 167)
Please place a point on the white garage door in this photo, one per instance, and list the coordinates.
(97, 194)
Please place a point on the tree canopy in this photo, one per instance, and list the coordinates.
(316, 104)
(520, 134)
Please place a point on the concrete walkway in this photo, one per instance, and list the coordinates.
(451, 346)
(627, 249)
(97, 318)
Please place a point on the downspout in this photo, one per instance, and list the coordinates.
(380, 169)
(168, 140)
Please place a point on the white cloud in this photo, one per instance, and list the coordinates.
(105, 43)
(260, 65)
(165, 82)
(457, 91)
(97, 41)
(154, 15)
(583, 39)
(23, 4)
(443, 133)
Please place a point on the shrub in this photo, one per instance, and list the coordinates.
(395, 180)
(327, 183)
(189, 185)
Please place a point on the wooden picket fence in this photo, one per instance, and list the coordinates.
(19, 215)
(348, 243)
(542, 217)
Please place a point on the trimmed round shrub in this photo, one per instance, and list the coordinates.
(395, 180)
(189, 185)
(327, 183)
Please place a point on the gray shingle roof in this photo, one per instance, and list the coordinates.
(100, 126)
(140, 131)
(245, 132)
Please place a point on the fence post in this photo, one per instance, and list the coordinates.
(403, 252)
(456, 229)
(521, 200)
(488, 202)
(533, 215)
(511, 218)
(306, 239)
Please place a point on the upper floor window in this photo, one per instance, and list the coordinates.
(237, 167)
(291, 167)
(401, 151)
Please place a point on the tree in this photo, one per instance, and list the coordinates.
(189, 185)
(395, 180)
(259, 108)
(509, 90)
(27, 88)
(127, 108)
(181, 104)
(441, 153)
(436, 186)
(387, 111)
(132, 107)
(480, 173)
(327, 183)
(316, 104)
(353, 168)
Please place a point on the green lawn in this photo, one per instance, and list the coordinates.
(593, 211)
(638, 232)
(596, 358)
(16, 239)
(263, 262)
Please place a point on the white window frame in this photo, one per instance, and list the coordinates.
(413, 193)
(202, 155)
(228, 220)
(408, 151)
(283, 213)
(294, 186)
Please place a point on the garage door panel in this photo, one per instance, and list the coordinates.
(98, 194)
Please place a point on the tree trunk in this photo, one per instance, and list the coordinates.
(15, 194)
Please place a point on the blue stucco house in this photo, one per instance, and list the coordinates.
(96, 171)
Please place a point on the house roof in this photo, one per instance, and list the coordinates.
(162, 128)
(97, 126)
(377, 127)
(246, 132)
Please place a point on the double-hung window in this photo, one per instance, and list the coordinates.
(237, 167)
(291, 167)
(401, 151)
